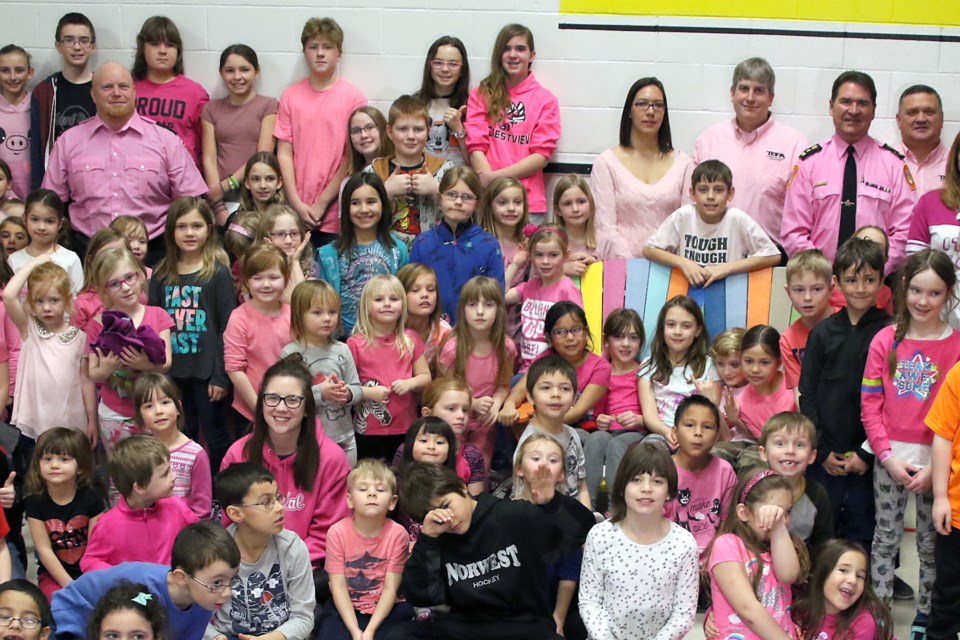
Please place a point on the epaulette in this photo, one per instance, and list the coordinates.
(809, 151)
(893, 151)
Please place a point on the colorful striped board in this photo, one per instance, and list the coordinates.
(591, 285)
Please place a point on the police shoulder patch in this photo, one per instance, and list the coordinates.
(809, 151)
(893, 151)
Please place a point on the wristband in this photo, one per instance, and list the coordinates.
(884, 455)
(233, 183)
(460, 135)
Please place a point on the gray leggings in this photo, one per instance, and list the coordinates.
(604, 450)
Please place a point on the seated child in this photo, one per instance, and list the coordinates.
(23, 601)
(128, 610)
(203, 562)
(708, 240)
(809, 285)
(147, 518)
(485, 558)
(273, 591)
(366, 552)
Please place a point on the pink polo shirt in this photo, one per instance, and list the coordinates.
(137, 170)
(929, 174)
(761, 161)
(811, 212)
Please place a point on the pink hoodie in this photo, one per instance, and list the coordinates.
(530, 125)
(309, 513)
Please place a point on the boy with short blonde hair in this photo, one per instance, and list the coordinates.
(366, 553)
(809, 284)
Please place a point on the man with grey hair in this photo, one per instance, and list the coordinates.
(920, 119)
(760, 150)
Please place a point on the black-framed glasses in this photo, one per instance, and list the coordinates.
(283, 235)
(273, 400)
(576, 332)
(217, 587)
(26, 622)
(267, 503)
(83, 41)
(643, 105)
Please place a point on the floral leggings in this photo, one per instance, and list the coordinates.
(891, 501)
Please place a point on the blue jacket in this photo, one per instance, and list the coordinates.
(457, 257)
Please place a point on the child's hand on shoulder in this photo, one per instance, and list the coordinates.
(770, 516)
(543, 486)
(436, 522)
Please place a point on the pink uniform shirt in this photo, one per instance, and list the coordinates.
(811, 212)
(138, 170)
(760, 160)
(929, 174)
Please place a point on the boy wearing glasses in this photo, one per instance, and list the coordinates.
(273, 591)
(366, 553)
(411, 176)
(203, 562)
(63, 99)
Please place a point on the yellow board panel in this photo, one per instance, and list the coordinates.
(864, 11)
(591, 286)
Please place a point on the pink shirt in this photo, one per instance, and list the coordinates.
(191, 466)
(365, 562)
(11, 336)
(237, 129)
(175, 105)
(934, 226)
(482, 371)
(760, 160)
(252, 342)
(315, 123)
(756, 408)
(530, 125)
(138, 170)
(15, 146)
(793, 342)
(629, 210)
(811, 213)
(624, 395)
(381, 364)
(703, 500)
(775, 597)
(593, 370)
(929, 174)
(894, 407)
(863, 627)
(535, 301)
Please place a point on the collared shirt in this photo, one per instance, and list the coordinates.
(138, 170)
(760, 160)
(811, 212)
(929, 174)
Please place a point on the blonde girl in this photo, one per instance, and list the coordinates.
(262, 183)
(282, 227)
(194, 285)
(88, 303)
(44, 220)
(424, 313)
(13, 235)
(259, 328)
(448, 398)
(391, 366)
(503, 214)
(119, 278)
(548, 252)
(51, 354)
(159, 412)
(135, 233)
(493, 105)
(575, 210)
(536, 451)
(479, 352)
(315, 325)
(61, 499)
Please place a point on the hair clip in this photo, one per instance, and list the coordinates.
(233, 226)
(530, 229)
(143, 598)
(752, 482)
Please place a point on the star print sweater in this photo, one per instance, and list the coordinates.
(894, 406)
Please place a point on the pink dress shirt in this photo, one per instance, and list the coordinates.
(929, 174)
(760, 160)
(811, 212)
(137, 170)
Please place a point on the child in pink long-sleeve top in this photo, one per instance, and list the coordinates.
(513, 123)
(147, 518)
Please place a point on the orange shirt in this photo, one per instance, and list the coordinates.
(944, 420)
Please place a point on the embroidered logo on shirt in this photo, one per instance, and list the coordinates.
(916, 376)
(776, 155)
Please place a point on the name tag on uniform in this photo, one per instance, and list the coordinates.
(874, 185)
(822, 183)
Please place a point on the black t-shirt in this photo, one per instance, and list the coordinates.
(68, 525)
(74, 104)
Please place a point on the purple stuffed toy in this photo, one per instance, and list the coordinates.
(119, 332)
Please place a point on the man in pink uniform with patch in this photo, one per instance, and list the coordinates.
(760, 150)
(920, 119)
(848, 181)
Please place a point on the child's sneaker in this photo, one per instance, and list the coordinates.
(918, 630)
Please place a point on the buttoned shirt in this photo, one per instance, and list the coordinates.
(929, 174)
(760, 160)
(811, 212)
(138, 170)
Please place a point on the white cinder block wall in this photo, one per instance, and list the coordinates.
(386, 43)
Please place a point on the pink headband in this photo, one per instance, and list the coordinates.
(233, 226)
(752, 482)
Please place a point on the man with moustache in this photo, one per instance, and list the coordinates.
(849, 181)
(920, 119)
(118, 163)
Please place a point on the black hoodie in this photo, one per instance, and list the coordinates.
(496, 571)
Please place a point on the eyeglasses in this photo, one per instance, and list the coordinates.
(576, 332)
(643, 105)
(267, 503)
(283, 235)
(130, 279)
(453, 65)
(466, 197)
(273, 400)
(70, 41)
(217, 587)
(367, 128)
(27, 622)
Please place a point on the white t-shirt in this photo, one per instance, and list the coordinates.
(679, 386)
(735, 237)
(61, 256)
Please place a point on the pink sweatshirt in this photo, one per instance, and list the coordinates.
(530, 125)
(894, 407)
(123, 534)
(309, 513)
